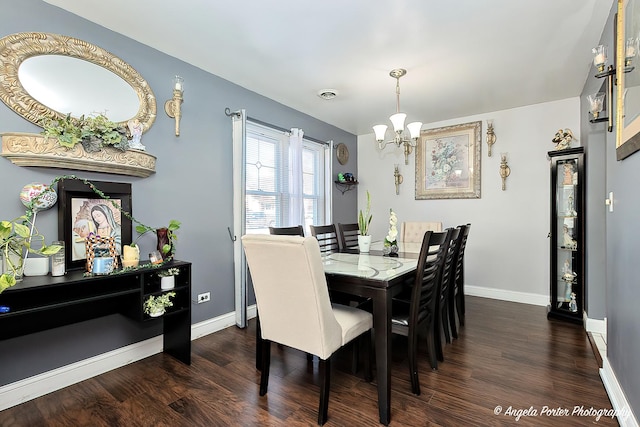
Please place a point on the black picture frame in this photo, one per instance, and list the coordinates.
(75, 198)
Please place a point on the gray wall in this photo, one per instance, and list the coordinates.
(620, 249)
(595, 139)
(192, 183)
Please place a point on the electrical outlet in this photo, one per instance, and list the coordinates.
(205, 297)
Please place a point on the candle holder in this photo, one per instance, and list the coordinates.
(397, 178)
(505, 170)
(491, 136)
(173, 106)
(600, 57)
(596, 102)
(630, 50)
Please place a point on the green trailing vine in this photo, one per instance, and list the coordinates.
(140, 227)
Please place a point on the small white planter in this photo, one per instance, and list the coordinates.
(157, 313)
(168, 282)
(364, 243)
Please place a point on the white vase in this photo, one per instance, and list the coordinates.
(167, 282)
(364, 243)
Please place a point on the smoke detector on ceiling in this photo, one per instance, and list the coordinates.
(327, 93)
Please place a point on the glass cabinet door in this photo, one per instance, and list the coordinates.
(567, 235)
(567, 179)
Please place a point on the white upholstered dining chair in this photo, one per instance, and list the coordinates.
(413, 232)
(295, 310)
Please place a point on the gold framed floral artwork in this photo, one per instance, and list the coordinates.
(448, 162)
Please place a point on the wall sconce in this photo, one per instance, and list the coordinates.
(600, 57)
(491, 136)
(172, 106)
(630, 51)
(397, 178)
(505, 170)
(597, 101)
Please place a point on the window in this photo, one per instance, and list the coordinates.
(269, 187)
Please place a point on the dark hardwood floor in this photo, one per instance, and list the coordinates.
(507, 355)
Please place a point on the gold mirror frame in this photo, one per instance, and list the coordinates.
(627, 137)
(16, 48)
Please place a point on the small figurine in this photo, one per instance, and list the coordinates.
(573, 304)
(570, 207)
(563, 139)
(341, 177)
(568, 174)
(135, 128)
(569, 243)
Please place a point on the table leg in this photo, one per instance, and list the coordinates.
(382, 332)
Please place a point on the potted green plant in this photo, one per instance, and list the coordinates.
(16, 240)
(93, 132)
(167, 278)
(364, 219)
(155, 306)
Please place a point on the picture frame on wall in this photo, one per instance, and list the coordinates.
(628, 81)
(448, 162)
(81, 211)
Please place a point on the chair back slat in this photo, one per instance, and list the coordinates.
(425, 288)
(458, 278)
(327, 238)
(287, 231)
(348, 235)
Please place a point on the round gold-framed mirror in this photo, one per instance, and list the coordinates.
(17, 48)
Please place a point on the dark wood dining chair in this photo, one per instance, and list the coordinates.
(287, 231)
(441, 324)
(348, 235)
(456, 292)
(408, 316)
(313, 324)
(327, 237)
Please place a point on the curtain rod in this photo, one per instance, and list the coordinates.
(260, 122)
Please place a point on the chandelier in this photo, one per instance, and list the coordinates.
(398, 124)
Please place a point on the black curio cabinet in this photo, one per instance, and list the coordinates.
(567, 236)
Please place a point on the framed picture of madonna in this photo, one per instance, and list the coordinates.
(448, 162)
(83, 214)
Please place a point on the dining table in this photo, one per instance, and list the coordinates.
(378, 277)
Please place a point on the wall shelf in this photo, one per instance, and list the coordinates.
(344, 186)
(31, 149)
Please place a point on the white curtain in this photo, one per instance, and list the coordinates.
(296, 181)
(239, 123)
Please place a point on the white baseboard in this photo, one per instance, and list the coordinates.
(506, 295)
(619, 401)
(47, 382)
(596, 326)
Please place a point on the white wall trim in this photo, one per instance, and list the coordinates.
(507, 295)
(616, 395)
(30, 388)
(596, 326)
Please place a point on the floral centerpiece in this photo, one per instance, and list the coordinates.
(390, 241)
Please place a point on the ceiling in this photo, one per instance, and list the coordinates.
(462, 57)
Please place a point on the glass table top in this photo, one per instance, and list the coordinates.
(375, 267)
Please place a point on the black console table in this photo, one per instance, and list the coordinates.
(39, 303)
